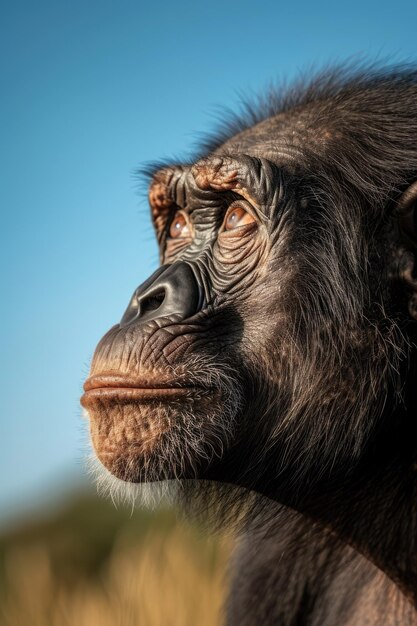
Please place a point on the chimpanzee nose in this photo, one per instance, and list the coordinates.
(171, 290)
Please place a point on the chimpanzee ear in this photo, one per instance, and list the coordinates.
(406, 212)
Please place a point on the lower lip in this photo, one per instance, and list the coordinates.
(127, 394)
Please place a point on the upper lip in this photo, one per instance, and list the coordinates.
(108, 387)
(117, 381)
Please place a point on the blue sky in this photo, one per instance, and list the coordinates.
(89, 92)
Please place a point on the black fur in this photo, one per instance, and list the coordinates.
(309, 328)
(349, 140)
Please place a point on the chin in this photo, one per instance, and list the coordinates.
(147, 432)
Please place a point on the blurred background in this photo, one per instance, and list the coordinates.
(90, 91)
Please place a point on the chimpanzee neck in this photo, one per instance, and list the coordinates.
(377, 515)
(374, 510)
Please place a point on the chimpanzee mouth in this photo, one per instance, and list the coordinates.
(102, 388)
(148, 426)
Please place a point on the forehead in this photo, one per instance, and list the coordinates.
(288, 139)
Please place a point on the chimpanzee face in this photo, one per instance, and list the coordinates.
(168, 385)
(262, 340)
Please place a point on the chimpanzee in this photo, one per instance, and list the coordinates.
(275, 348)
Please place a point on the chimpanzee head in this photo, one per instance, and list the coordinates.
(274, 340)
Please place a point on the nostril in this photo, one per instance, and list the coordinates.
(171, 290)
(151, 302)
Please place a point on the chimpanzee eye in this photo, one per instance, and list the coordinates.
(180, 226)
(237, 216)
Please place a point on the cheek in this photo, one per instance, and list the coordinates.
(239, 264)
(235, 246)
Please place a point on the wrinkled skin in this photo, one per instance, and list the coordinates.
(274, 350)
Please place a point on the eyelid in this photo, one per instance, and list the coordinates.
(245, 204)
(247, 207)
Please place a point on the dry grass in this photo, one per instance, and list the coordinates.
(173, 577)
